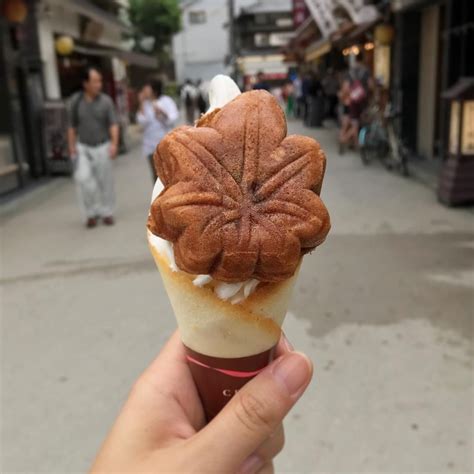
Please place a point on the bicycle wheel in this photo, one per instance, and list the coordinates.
(364, 146)
(404, 162)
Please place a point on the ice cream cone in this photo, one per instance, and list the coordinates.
(234, 210)
(227, 344)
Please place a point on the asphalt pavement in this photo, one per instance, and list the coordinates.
(384, 309)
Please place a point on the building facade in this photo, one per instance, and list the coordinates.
(201, 47)
(261, 31)
(40, 75)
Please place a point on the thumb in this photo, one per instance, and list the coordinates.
(255, 411)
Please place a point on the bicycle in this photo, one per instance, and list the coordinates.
(379, 139)
(398, 157)
(373, 138)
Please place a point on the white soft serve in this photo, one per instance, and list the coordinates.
(221, 91)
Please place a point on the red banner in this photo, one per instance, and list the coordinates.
(300, 12)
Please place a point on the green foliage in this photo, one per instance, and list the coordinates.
(157, 18)
(171, 89)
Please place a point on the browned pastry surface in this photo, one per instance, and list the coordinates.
(240, 200)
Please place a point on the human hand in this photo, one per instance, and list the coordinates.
(162, 428)
(113, 151)
(159, 112)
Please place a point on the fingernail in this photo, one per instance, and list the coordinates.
(251, 465)
(293, 372)
(288, 344)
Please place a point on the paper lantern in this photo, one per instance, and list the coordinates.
(384, 34)
(64, 45)
(14, 11)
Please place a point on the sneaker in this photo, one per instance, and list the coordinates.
(109, 220)
(91, 222)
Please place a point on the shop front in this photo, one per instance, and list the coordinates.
(433, 50)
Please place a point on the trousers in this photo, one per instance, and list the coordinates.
(94, 180)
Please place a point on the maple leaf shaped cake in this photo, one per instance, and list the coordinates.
(240, 198)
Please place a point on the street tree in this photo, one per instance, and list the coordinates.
(154, 23)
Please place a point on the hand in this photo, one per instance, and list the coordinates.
(162, 428)
(159, 112)
(113, 151)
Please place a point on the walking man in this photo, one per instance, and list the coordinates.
(93, 140)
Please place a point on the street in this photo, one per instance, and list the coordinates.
(383, 308)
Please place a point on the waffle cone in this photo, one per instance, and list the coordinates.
(218, 328)
(226, 344)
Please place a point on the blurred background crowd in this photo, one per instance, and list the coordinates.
(393, 75)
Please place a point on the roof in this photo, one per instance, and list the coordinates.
(269, 6)
(131, 57)
(87, 8)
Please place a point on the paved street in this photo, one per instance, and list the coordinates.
(384, 309)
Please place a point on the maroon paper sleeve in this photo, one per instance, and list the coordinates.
(219, 379)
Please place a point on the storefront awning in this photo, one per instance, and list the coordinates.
(316, 50)
(271, 64)
(353, 33)
(88, 9)
(130, 57)
(400, 5)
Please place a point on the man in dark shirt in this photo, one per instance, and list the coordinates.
(261, 83)
(93, 139)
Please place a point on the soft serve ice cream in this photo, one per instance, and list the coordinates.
(235, 209)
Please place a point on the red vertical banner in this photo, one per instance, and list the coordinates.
(300, 12)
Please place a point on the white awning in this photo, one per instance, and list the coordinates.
(323, 13)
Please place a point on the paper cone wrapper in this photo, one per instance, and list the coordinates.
(226, 344)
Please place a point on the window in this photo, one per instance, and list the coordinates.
(284, 22)
(262, 40)
(265, 40)
(197, 17)
(261, 19)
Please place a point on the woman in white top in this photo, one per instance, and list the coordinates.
(157, 114)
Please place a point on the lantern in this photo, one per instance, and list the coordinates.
(457, 176)
(14, 11)
(384, 34)
(64, 45)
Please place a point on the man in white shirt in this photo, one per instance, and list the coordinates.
(157, 114)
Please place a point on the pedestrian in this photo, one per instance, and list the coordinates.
(315, 101)
(345, 127)
(202, 93)
(330, 87)
(157, 114)
(188, 98)
(305, 87)
(356, 88)
(93, 136)
(289, 94)
(162, 428)
(298, 87)
(261, 83)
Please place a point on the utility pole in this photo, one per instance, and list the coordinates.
(232, 48)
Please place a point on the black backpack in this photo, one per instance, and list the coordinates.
(75, 109)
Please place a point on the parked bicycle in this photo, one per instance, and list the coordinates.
(378, 139)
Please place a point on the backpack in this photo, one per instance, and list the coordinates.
(357, 92)
(75, 109)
